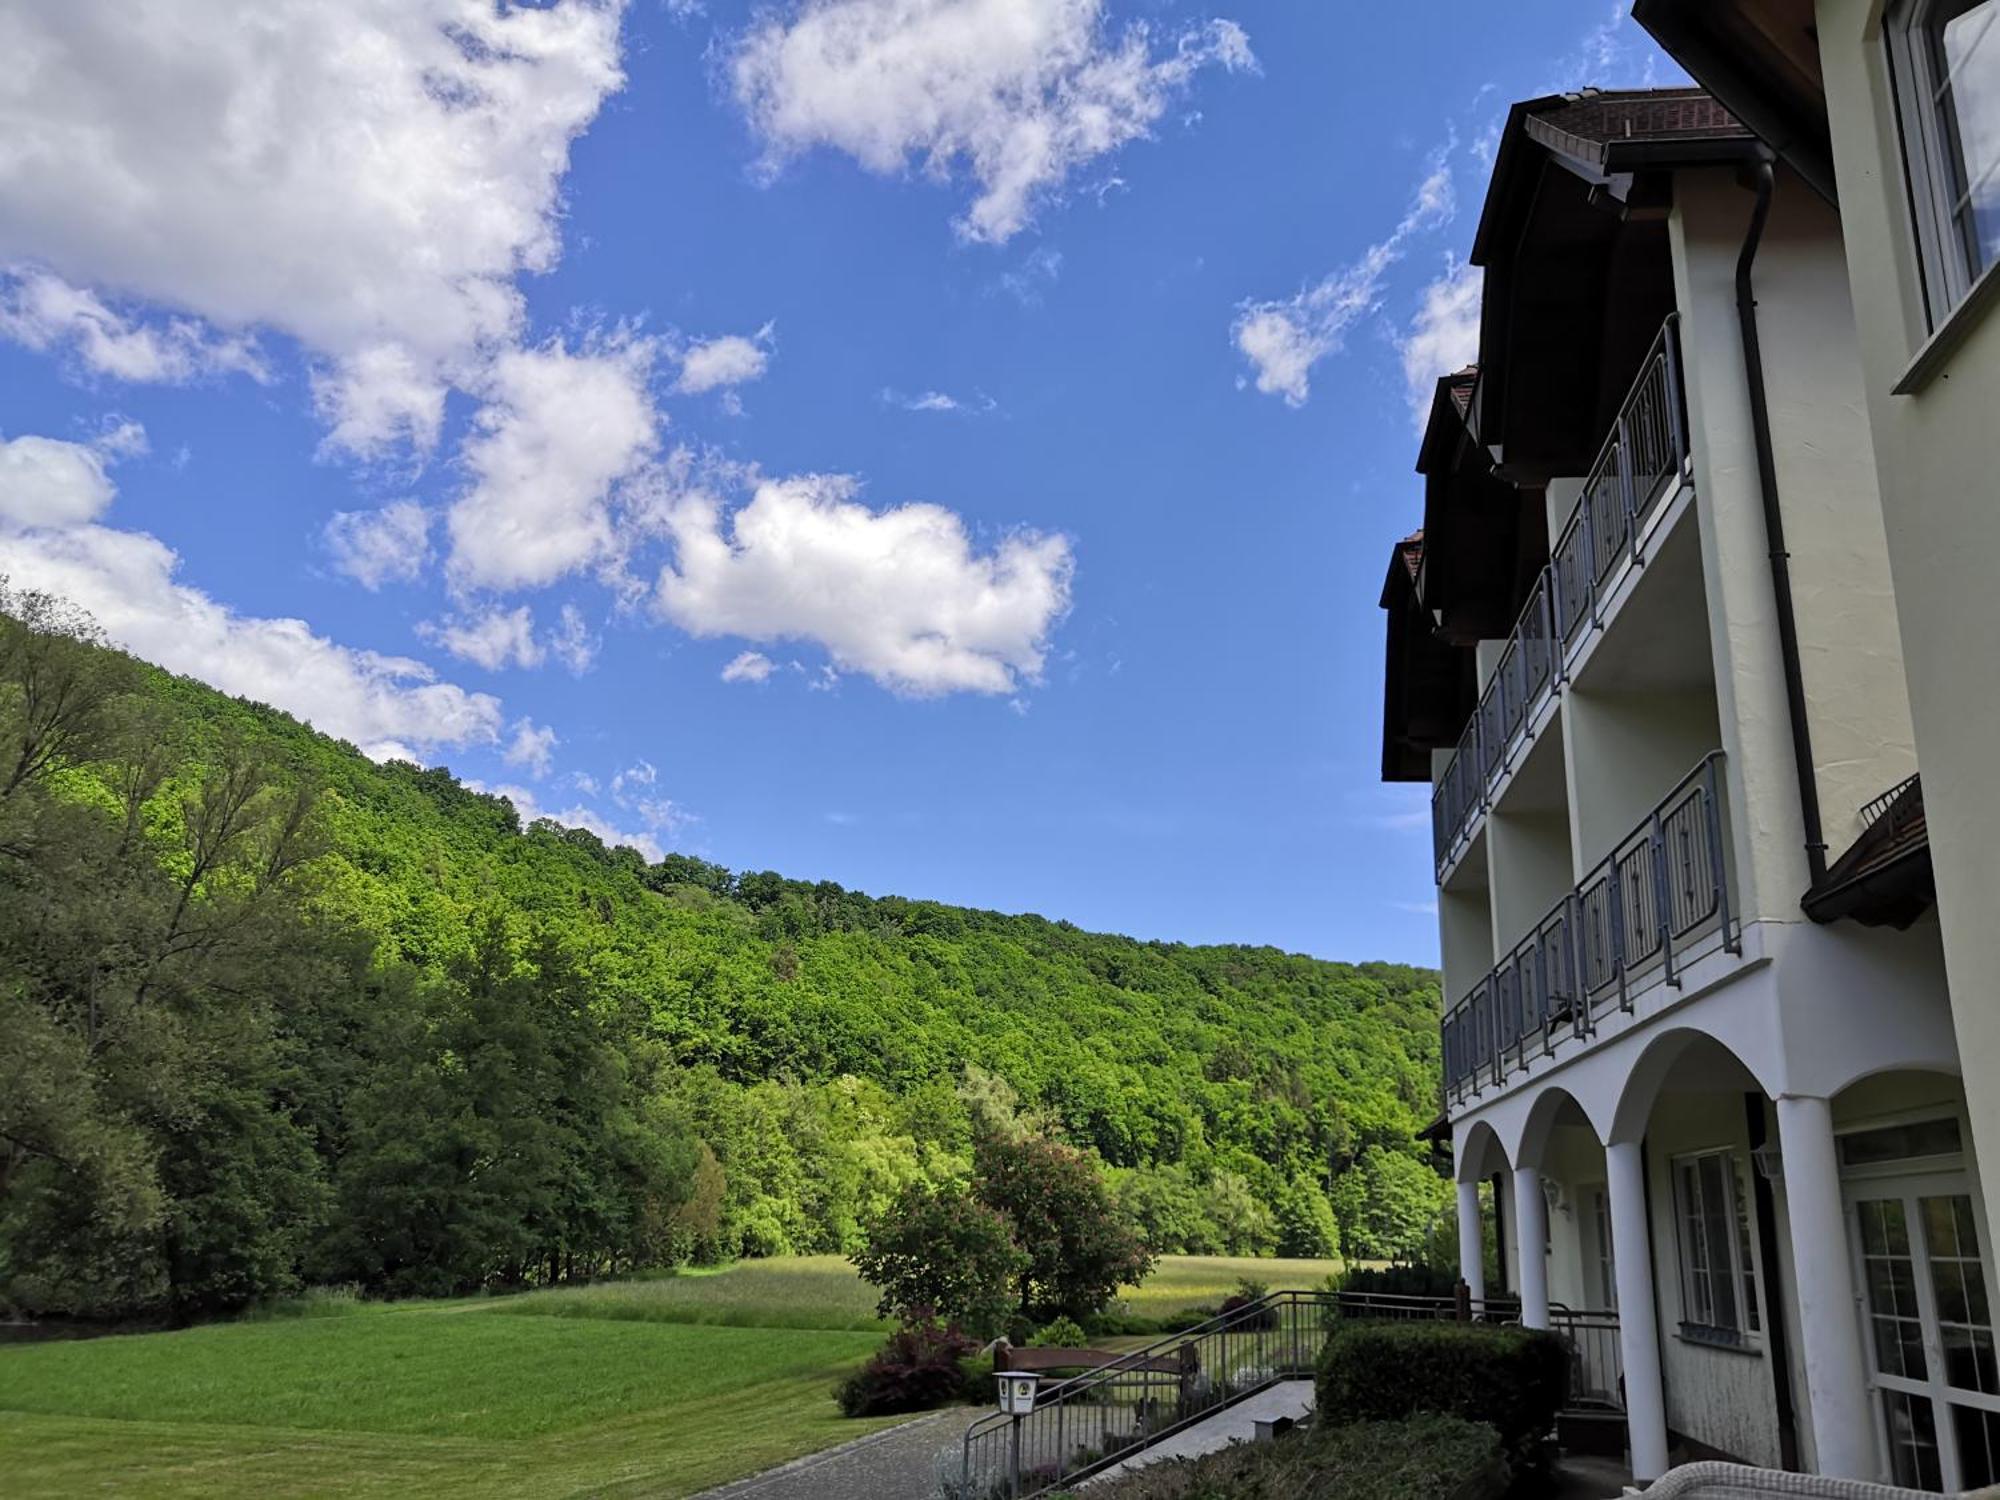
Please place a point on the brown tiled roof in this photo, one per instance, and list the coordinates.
(1461, 384)
(1607, 115)
(1885, 875)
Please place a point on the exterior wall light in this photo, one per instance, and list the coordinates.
(1770, 1161)
(1017, 1392)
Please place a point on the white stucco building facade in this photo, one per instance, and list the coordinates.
(1705, 1090)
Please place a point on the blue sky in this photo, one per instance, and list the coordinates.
(948, 447)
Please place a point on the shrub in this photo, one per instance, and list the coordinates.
(1511, 1379)
(1063, 1333)
(1426, 1458)
(975, 1382)
(1402, 1281)
(941, 1251)
(919, 1368)
(1080, 1248)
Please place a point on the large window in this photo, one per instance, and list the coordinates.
(1947, 66)
(1718, 1273)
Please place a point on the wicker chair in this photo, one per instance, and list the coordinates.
(1708, 1481)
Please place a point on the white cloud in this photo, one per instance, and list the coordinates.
(384, 704)
(748, 666)
(639, 773)
(47, 482)
(560, 432)
(44, 312)
(1443, 336)
(374, 547)
(533, 746)
(492, 638)
(727, 361)
(572, 642)
(1019, 93)
(899, 595)
(529, 808)
(1039, 270)
(368, 178)
(1283, 340)
(121, 437)
(938, 402)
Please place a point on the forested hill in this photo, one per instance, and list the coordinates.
(804, 1049)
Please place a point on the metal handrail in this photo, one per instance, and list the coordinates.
(1646, 449)
(1085, 1424)
(1662, 884)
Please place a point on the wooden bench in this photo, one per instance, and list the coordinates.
(1039, 1361)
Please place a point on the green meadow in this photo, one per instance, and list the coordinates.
(661, 1387)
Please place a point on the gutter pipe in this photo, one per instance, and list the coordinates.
(1762, 180)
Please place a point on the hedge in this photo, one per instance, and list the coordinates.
(1512, 1379)
(1427, 1458)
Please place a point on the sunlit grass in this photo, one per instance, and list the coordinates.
(803, 1291)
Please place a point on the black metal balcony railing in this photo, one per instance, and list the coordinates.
(1645, 451)
(1663, 886)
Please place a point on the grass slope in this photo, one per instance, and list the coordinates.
(659, 1387)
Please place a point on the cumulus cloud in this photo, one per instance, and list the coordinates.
(731, 360)
(560, 432)
(572, 641)
(374, 547)
(1284, 339)
(748, 666)
(1016, 93)
(492, 638)
(47, 482)
(1443, 336)
(533, 746)
(367, 178)
(899, 595)
(45, 313)
(384, 704)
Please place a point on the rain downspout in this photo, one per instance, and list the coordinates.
(1761, 182)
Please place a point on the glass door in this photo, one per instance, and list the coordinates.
(1930, 1331)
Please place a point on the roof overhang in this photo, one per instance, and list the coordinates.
(1760, 58)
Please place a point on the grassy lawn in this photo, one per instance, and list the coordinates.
(799, 1291)
(662, 1387)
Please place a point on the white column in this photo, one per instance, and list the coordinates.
(1829, 1331)
(1638, 1328)
(1471, 1248)
(1531, 1238)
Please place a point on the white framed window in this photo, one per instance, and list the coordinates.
(1718, 1269)
(1946, 60)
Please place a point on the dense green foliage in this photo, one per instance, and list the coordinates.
(1512, 1379)
(1426, 1458)
(1077, 1248)
(278, 1014)
(940, 1251)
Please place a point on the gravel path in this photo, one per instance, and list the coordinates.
(897, 1463)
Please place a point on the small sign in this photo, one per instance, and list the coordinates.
(1017, 1392)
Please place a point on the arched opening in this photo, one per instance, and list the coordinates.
(1702, 1122)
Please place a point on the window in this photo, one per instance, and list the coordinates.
(1947, 70)
(1718, 1271)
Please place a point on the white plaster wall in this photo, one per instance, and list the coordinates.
(1465, 933)
(1627, 751)
(1530, 864)
(1935, 450)
(1559, 499)
(1850, 648)
(1575, 1161)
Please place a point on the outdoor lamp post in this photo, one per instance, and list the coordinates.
(1017, 1399)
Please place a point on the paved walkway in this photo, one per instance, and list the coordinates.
(1236, 1424)
(897, 1463)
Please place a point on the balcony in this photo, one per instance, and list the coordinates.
(1646, 451)
(1625, 925)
